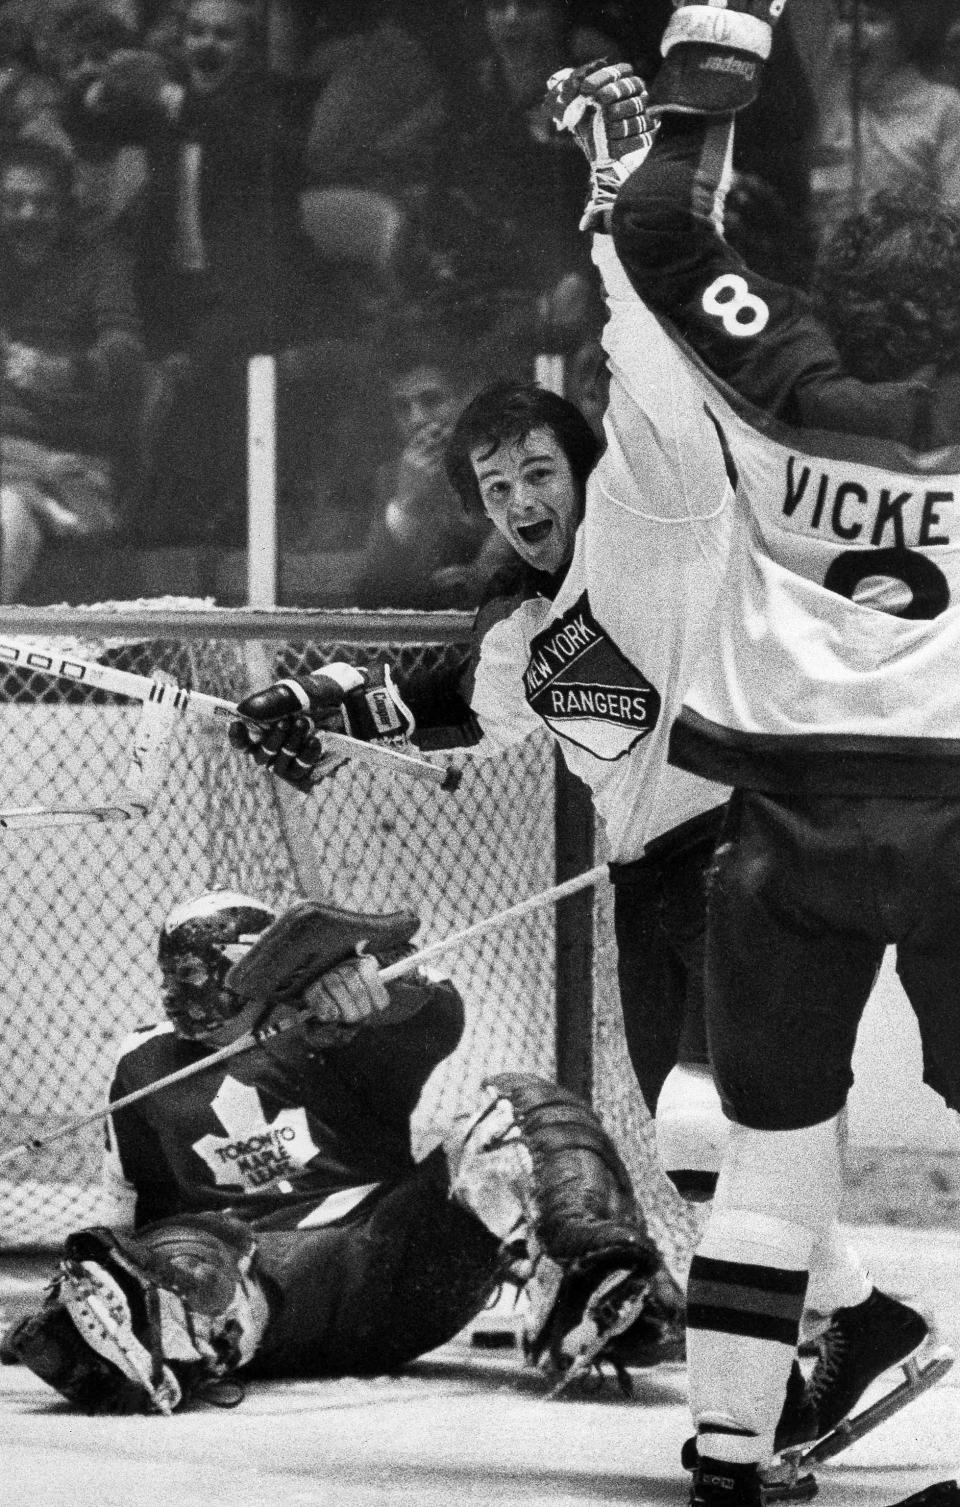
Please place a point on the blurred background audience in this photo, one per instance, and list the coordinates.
(372, 193)
(72, 367)
(884, 121)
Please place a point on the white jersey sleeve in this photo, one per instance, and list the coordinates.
(663, 459)
(498, 698)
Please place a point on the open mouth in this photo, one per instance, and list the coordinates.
(535, 533)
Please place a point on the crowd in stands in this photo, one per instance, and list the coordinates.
(372, 192)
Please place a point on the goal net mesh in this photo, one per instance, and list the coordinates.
(82, 905)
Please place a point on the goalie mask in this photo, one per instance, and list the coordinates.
(199, 943)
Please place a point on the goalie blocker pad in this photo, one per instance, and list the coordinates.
(310, 939)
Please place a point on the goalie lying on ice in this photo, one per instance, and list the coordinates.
(268, 1217)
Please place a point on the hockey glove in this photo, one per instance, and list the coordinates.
(713, 55)
(339, 698)
(604, 109)
(336, 1006)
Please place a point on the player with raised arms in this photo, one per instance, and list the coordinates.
(826, 695)
(266, 1217)
(620, 550)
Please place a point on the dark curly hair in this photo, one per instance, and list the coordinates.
(507, 412)
(887, 285)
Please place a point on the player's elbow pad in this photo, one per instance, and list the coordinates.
(692, 1130)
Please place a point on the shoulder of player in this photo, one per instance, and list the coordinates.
(146, 1044)
(508, 593)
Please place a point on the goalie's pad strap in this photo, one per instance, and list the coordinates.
(308, 940)
(718, 28)
(555, 1119)
(585, 1206)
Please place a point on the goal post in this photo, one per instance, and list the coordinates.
(82, 906)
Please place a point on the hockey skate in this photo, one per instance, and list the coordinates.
(857, 1346)
(717, 1483)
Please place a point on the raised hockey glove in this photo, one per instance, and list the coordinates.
(713, 56)
(294, 713)
(604, 109)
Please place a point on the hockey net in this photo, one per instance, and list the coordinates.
(82, 905)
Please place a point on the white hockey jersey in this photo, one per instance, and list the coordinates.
(604, 664)
(835, 661)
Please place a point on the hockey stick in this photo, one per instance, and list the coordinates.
(269, 1033)
(149, 761)
(46, 661)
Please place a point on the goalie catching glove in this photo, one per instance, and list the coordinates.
(293, 714)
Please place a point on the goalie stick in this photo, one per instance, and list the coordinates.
(47, 661)
(268, 1033)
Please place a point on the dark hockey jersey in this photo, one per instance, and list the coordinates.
(277, 1130)
(834, 662)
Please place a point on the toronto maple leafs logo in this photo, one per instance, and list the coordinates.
(584, 687)
(255, 1153)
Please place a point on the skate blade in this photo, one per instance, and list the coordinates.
(801, 1489)
(628, 1309)
(921, 1372)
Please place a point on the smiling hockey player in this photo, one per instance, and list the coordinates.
(593, 637)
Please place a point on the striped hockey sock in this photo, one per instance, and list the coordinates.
(745, 1299)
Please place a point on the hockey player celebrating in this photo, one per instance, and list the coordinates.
(826, 696)
(267, 1216)
(595, 636)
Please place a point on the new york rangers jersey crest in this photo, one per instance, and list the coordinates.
(585, 689)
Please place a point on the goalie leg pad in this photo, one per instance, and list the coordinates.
(138, 1323)
(310, 939)
(591, 1256)
(583, 1197)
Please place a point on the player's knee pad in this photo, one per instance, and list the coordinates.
(138, 1323)
(692, 1130)
(768, 1171)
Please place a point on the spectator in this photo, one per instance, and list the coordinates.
(499, 231)
(28, 102)
(883, 124)
(333, 434)
(72, 366)
(225, 267)
(422, 550)
(379, 103)
(76, 45)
